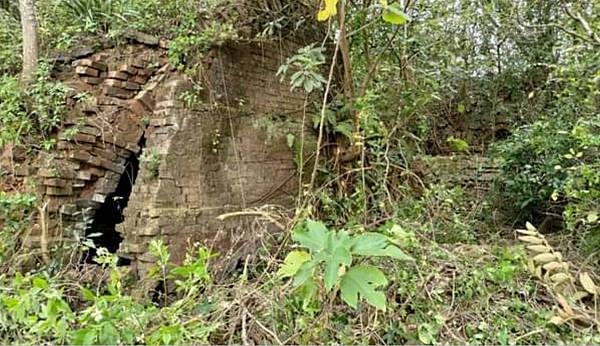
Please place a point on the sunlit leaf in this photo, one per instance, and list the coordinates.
(329, 10)
(292, 263)
(393, 14)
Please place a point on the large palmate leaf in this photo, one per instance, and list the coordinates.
(375, 244)
(362, 280)
(314, 238)
(336, 255)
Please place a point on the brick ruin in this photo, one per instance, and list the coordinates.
(137, 161)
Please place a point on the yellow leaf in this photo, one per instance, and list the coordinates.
(539, 248)
(530, 227)
(329, 10)
(531, 239)
(587, 283)
(544, 258)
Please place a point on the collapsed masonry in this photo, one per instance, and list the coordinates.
(144, 141)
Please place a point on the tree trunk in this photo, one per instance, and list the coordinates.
(30, 38)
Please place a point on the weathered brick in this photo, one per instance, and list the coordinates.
(84, 137)
(91, 80)
(84, 175)
(114, 82)
(79, 155)
(131, 86)
(127, 69)
(139, 62)
(139, 79)
(59, 191)
(86, 71)
(111, 166)
(138, 108)
(118, 92)
(118, 75)
(100, 66)
(146, 98)
(56, 182)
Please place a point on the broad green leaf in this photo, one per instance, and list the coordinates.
(339, 257)
(305, 272)
(292, 263)
(393, 14)
(88, 294)
(109, 335)
(329, 10)
(363, 280)
(375, 244)
(85, 336)
(315, 238)
(307, 292)
(40, 283)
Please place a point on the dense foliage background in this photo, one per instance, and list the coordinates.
(392, 259)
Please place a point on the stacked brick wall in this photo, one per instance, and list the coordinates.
(214, 159)
(211, 156)
(102, 132)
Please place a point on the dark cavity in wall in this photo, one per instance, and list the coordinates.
(103, 230)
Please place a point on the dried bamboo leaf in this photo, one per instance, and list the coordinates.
(552, 266)
(539, 248)
(558, 255)
(526, 232)
(587, 283)
(544, 258)
(531, 239)
(579, 295)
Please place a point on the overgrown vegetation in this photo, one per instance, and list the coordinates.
(401, 252)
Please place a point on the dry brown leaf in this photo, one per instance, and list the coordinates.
(557, 320)
(531, 239)
(587, 283)
(539, 248)
(579, 295)
(565, 305)
(544, 258)
(560, 278)
(553, 266)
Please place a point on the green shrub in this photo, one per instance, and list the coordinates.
(32, 112)
(15, 209)
(10, 43)
(554, 166)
